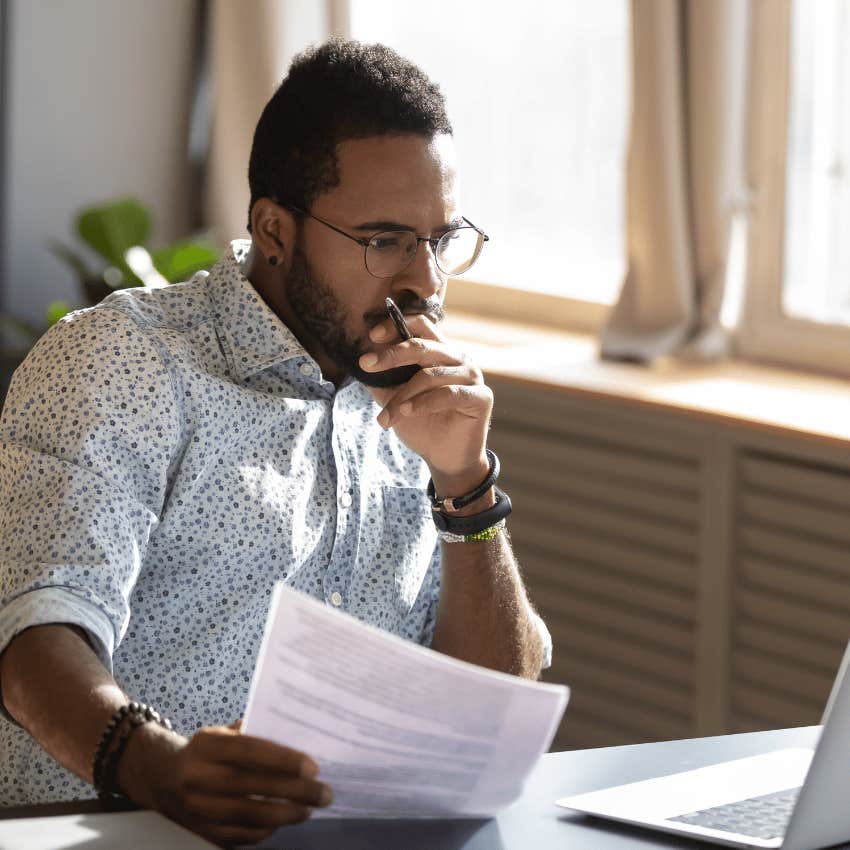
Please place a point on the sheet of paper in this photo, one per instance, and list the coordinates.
(397, 729)
(125, 830)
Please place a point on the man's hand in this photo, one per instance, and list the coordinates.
(228, 787)
(443, 412)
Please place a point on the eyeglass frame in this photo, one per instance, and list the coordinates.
(432, 241)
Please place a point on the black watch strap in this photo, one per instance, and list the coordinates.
(472, 524)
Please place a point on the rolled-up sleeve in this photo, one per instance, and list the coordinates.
(89, 431)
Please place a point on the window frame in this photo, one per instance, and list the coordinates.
(471, 294)
(524, 306)
(765, 332)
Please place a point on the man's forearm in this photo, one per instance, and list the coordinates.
(484, 615)
(55, 686)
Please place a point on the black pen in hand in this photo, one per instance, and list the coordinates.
(398, 319)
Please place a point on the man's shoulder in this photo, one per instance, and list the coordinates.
(127, 319)
(178, 306)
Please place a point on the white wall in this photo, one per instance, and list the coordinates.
(98, 107)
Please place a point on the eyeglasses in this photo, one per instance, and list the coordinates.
(390, 252)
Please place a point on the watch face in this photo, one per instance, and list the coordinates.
(441, 521)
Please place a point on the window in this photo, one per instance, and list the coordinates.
(796, 308)
(541, 126)
(816, 282)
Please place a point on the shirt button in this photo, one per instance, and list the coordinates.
(336, 598)
(345, 500)
(306, 369)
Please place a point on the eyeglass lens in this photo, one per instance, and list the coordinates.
(390, 253)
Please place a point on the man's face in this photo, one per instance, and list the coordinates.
(404, 182)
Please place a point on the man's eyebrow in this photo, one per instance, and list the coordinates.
(457, 221)
(378, 226)
(374, 226)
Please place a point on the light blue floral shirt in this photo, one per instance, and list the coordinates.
(165, 458)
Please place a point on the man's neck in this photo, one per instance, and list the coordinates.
(268, 281)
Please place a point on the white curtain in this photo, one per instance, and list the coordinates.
(684, 176)
(251, 45)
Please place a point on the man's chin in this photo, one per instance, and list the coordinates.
(387, 378)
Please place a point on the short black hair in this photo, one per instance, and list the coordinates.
(336, 91)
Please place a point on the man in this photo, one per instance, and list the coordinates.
(168, 455)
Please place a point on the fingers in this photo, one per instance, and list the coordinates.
(442, 384)
(410, 399)
(474, 402)
(244, 811)
(226, 746)
(217, 779)
(237, 789)
(418, 351)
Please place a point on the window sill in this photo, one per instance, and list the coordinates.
(764, 398)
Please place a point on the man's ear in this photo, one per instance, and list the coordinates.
(272, 230)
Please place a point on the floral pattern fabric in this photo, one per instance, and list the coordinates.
(165, 458)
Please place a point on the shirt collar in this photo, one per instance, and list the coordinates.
(255, 337)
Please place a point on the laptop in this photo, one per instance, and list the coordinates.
(796, 799)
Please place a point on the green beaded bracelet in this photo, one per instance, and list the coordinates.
(476, 537)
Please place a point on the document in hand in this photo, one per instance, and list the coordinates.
(397, 729)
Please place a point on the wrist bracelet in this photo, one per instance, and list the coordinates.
(464, 526)
(457, 502)
(478, 537)
(114, 740)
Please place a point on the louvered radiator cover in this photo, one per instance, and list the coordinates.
(667, 622)
(791, 619)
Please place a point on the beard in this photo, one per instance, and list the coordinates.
(317, 307)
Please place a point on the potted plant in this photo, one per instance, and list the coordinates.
(118, 231)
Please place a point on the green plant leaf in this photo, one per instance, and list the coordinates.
(114, 227)
(181, 260)
(57, 310)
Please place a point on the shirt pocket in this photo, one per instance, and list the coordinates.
(410, 538)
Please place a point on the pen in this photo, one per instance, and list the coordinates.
(398, 319)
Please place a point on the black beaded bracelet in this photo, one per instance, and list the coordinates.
(458, 502)
(125, 720)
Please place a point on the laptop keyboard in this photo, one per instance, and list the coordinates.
(759, 817)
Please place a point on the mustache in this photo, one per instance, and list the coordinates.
(431, 308)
